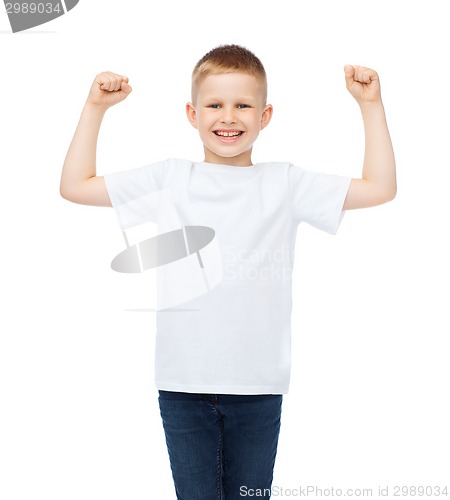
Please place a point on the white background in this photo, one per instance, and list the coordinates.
(369, 398)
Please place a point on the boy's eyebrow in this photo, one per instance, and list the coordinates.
(252, 98)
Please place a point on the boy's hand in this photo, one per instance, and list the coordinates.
(362, 83)
(108, 89)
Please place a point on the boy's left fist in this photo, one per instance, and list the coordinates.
(362, 83)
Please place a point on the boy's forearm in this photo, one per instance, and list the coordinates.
(379, 161)
(80, 162)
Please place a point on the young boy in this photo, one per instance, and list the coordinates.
(223, 363)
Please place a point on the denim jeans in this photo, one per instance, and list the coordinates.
(221, 446)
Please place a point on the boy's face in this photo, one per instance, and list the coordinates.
(229, 112)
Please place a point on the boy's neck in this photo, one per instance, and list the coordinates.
(242, 160)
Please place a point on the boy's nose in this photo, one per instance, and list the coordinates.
(228, 115)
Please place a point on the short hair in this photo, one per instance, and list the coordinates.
(229, 59)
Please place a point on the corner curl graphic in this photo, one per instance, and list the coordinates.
(26, 14)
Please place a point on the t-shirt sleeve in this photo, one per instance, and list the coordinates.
(135, 194)
(318, 198)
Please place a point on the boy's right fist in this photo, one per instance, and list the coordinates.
(108, 89)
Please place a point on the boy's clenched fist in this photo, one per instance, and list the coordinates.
(108, 89)
(362, 83)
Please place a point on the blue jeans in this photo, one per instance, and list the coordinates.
(220, 445)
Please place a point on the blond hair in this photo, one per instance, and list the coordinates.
(228, 59)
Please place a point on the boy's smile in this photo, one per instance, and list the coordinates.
(229, 112)
(228, 136)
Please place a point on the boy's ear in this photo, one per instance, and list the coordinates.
(266, 115)
(191, 114)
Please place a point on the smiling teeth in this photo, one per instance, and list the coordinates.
(228, 134)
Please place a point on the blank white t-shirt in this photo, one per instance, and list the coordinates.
(234, 339)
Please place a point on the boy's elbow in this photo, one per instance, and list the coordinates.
(384, 194)
(384, 197)
(91, 192)
(65, 193)
(69, 194)
(391, 194)
(364, 194)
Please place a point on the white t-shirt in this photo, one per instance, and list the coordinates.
(234, 339)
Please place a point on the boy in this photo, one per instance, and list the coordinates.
(223, 363)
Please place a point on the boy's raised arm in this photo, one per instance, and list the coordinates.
(79, 182)
(378, 183)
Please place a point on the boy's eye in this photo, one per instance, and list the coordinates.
(239, 106)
